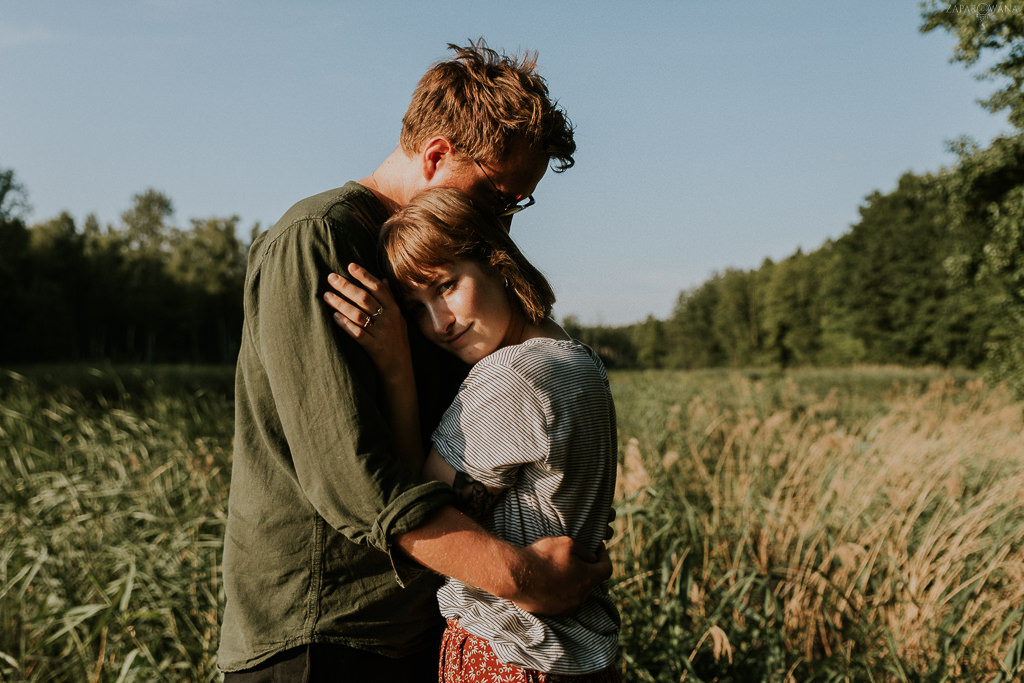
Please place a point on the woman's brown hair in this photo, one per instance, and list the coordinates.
(443, 225)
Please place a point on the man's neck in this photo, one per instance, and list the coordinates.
(389, 181)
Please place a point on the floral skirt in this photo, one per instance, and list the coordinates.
(466, 658)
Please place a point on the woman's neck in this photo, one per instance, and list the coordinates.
(517, 331)
(545, 328)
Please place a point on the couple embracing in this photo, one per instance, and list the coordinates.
(407, 411)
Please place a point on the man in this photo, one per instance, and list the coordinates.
(328, 532)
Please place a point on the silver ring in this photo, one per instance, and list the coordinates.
(380, 309)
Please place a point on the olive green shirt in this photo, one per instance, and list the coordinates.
(316, 492)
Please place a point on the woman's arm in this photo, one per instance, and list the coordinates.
(369, 313)
(471, 496)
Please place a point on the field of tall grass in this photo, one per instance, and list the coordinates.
(848, 525)
(861, 525)
(112, 497)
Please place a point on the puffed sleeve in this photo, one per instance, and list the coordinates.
(496, 424)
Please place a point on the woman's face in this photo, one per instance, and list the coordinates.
(464, 309)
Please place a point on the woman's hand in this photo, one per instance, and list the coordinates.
(368, 312)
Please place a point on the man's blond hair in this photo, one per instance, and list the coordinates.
(481, 100)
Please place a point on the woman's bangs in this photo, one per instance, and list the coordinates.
(415, 253)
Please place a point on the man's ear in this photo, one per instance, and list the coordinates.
(438, 152)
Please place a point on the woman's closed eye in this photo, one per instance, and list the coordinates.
(412, 309)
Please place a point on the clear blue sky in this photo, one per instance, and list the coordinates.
(710, 135)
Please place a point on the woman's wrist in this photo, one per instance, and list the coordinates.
(398, 375)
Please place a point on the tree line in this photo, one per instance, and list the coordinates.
(932, 273)
(141, 290)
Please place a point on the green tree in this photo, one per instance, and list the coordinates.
(993, 31)
(209, 258)
(207, 267)
(736, 323)
(984, 190)
(1004, 265)
(147, 228)
(691, 327)
(54, 295)
(105, 255)
(986, 221)
(613, 344)
(14, 263)
(14, 204)
(792, 315)
(141, 290)
(887, 286)
(651, 343)
(149, 300)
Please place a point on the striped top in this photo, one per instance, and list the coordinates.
(537, 419)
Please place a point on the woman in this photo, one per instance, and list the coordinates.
(529, 443)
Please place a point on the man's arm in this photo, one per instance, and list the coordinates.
(552, 576)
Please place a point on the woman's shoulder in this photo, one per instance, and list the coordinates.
(542, 359)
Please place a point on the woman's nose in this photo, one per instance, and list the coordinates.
(441, 319)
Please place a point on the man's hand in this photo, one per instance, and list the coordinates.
(558, 575)
(551, 576)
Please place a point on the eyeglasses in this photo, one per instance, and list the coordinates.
(512, 205)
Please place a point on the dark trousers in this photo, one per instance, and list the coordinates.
(326, 663)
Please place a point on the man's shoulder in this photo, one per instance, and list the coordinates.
(349, 202)
(347, 217)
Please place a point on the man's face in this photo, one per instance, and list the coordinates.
(500, 184)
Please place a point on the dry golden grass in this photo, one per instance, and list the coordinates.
(890, 547)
